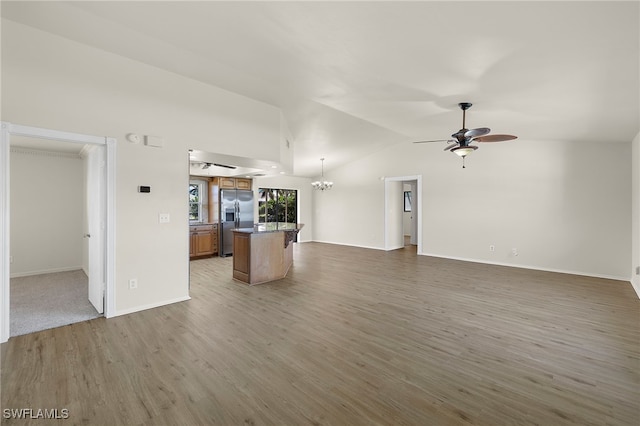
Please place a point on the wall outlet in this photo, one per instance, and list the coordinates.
(10, 259)
(133, 283)
(514, 251)
(637, 270)
(492, 248)
(164, 218)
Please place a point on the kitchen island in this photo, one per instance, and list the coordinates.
(263, 253)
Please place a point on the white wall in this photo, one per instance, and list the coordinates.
(305, 206)
(635, 215)
(352, 212)
(564, 206)
(59, 84)
(47, 210)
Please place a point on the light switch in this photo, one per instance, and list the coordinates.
(164, 218)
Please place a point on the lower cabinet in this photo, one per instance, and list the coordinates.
(203, 240)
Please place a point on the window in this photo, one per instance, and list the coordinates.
(277, 205)
(195, 202)
(407, 201)
(199, 200)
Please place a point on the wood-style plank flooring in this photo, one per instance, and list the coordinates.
(351, 337)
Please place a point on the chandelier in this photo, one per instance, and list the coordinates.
(322, 184)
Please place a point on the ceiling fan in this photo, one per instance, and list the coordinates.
(462, 139)
(206, 165)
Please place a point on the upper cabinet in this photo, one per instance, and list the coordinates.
(234, 183)
(242, 183)
(227, 183)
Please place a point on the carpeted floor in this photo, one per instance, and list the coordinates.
(40, 302)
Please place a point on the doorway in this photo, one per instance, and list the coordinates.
(99, 232)
(50, 240)
(396, 214)
(409, 220)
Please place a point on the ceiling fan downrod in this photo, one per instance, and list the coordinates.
(464, 106)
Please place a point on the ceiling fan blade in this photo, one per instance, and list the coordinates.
(495, 138)
(474, 133)
(453, 145)
(436, 140)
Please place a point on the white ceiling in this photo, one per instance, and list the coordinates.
(356, 77)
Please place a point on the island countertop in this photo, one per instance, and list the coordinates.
(263, 253)
(271, 227)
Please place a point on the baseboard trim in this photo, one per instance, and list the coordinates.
(348, 245)
(149, 306)
(45, 271)
(635, 283)
(535, 268)
(464, 259)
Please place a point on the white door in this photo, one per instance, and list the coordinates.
(95, 186)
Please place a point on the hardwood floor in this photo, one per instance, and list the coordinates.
(351, 337)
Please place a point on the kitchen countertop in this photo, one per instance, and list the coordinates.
(260, 228)
(263, 253)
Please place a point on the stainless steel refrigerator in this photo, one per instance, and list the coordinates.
(236, 211)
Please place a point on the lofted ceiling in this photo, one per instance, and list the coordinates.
(355, 77)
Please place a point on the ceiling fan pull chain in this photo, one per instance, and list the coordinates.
(463, 166)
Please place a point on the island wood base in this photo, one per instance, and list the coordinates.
(260, 257)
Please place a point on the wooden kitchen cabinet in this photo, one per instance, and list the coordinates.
(243, 183)
(203, 240)
(234, 183)
(227, 183)
(262, 253)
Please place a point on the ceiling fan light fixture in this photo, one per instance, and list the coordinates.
(463, 151)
